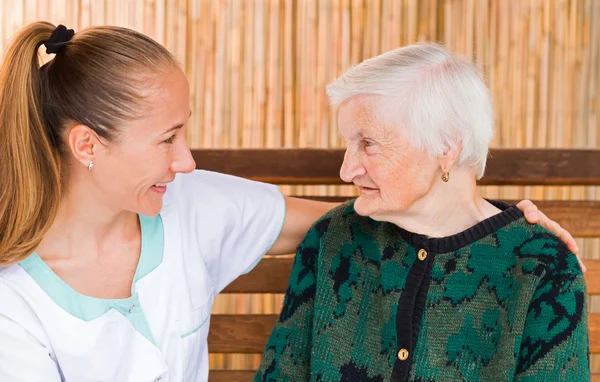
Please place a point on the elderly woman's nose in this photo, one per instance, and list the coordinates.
(350, 169)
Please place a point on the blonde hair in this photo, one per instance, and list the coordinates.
(96, 79)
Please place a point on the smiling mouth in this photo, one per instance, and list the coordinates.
(159, 188)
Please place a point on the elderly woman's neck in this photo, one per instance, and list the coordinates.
(447, 209)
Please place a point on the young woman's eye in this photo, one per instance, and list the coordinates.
(170, 139)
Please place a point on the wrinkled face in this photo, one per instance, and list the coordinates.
(389, 173)
(133, 172)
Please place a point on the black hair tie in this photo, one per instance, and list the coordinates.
(58, 39)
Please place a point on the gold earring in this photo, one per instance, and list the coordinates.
(446, 176)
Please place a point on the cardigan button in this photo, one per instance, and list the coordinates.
(403, 355)
(422, 254)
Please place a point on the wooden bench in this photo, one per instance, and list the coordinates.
(248, 333)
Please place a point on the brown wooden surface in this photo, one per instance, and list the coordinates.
(592, 276)
(594, 325)
(581, 218)
(231, 375)
(321, 166)
(240, 333)
(271, 276)
(248, 333)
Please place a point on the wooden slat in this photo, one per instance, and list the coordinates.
(594, 326)
(231, 375)
(271, 276)
(592, 276)
(321, 166)
(248, 333)
(240, 333)
(581, 218)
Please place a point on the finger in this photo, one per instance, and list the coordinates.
(530, 211)
(559, 231)
(583, 267)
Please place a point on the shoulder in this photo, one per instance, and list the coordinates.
(541, 252)
(343, 224)
(213, 183)
(11, 275)
(17, 294)
(216, 191)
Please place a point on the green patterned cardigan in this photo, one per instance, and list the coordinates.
(369, 301)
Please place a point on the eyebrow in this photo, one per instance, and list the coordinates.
(358, 135)
(179, 126)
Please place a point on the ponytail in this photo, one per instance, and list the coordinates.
(30, 185)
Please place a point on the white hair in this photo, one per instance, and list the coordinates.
(440, 99)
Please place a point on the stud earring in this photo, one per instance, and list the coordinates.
(446, 176)
(91, 165)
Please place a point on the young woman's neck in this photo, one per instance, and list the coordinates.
(447, 209)
(87, 223)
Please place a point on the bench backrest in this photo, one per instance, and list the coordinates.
(248, 333)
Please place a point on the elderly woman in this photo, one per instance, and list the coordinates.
(420, 278)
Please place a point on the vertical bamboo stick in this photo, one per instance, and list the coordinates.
(385, 26)
(274, 78)
(448, 25)
(356, 31)
(411, 25)
(248, 73)
(258, 139)
(234, 98)
(208, 111)
(395, 23)
(160, 21)
(469, 26)
(289, 68)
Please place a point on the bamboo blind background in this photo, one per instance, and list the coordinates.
(258, 69)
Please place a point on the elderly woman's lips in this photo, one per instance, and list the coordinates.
(362, 188)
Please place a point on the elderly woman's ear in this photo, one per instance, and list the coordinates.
(448, 159)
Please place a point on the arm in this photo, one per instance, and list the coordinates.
(22, 357)
(554, 344)
(302, 213)
(288, 351)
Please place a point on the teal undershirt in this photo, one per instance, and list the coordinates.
(89, 308)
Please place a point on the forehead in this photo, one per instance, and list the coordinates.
(171, 93)
(361, 116)
(167, 102)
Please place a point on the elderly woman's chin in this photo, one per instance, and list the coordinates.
(377, 206)
(370, 204)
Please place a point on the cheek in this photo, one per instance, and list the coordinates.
(402, 183)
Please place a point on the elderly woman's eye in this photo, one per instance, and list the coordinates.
(367, 143)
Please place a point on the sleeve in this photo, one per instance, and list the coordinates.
(232, 222)
(22, 357)
(288, 351)
(554, 345)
